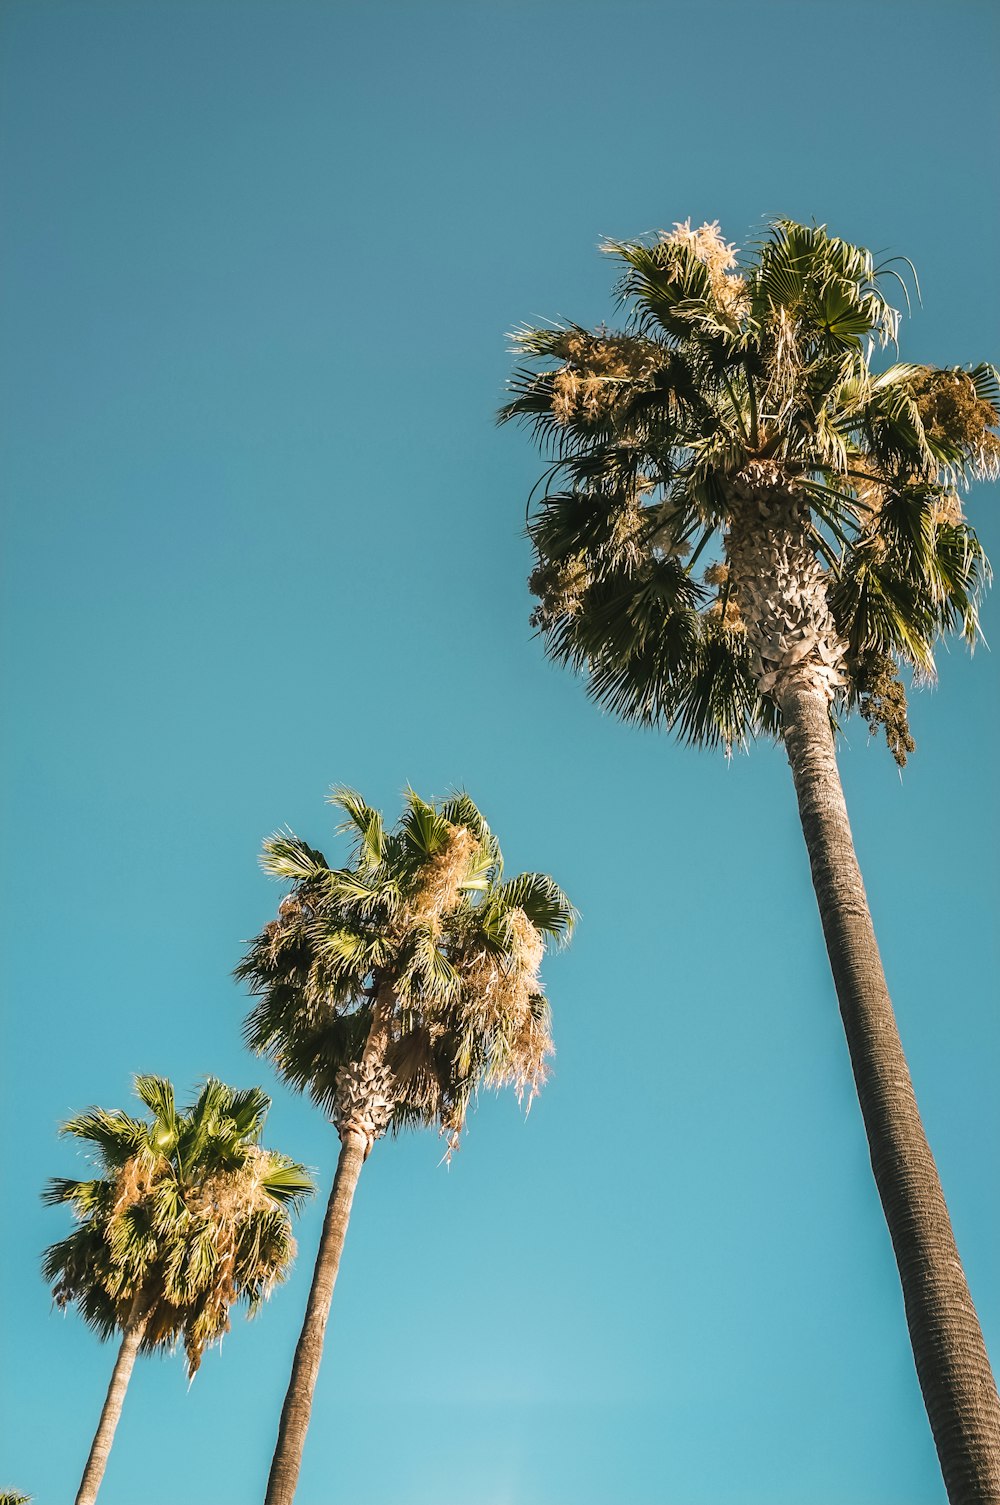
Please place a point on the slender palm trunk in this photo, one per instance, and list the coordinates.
(952, 1366)
(105, 1434)
(294, 1422)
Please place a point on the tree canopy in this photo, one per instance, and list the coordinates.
(188, 1215)
(760, 366)
(421, 930)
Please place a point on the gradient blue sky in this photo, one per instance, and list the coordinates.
(258, 263)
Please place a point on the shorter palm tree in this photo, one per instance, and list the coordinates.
(189, 1215)
(392, 990)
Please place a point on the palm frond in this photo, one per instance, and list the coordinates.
(364, 821)
(285, 855)
(423, 829)
(116, 1135)
(541, 899)
(287, 1184)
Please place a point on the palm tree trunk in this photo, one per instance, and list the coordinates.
(105, 1434)
(952, 1366)
(294, 1422)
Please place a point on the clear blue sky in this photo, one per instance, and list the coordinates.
(258, 260)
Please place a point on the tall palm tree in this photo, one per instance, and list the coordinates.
(391, 990)
(747, 528)
(189, 1214)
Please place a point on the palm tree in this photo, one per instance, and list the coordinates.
(746, 528)
(188, 1215)
(391, 990)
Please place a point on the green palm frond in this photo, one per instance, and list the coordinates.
(354, 950)
(365, 822)
(115, 1134)
(286, 856)
(540, 898)
(157, 1094)
(423, 829)
(287, 1184)
(58, 1190)
(247, 1111)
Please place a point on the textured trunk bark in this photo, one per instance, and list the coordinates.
(294, 1422)
(105, 1434)
(952, 1366)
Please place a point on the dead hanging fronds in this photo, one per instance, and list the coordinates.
(786, 365)
(411, 1059)
(229, 1197)
(441, 879)
(503, 1005)
(293, 913)
(526, 944)
(717, 256)
(946, 510)
(137, 1180)
(597, 368)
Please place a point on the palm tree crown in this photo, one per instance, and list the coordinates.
(392, 989)
(742, 401)
(746, 527)
(416, 967)
(188, 1215)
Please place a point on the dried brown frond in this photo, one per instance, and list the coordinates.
(439, 886)
(503, 1000)
(230, 1196)
(947, 510)
(786, 363)
(136, 1180)
(526, 944)
(717, 574)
